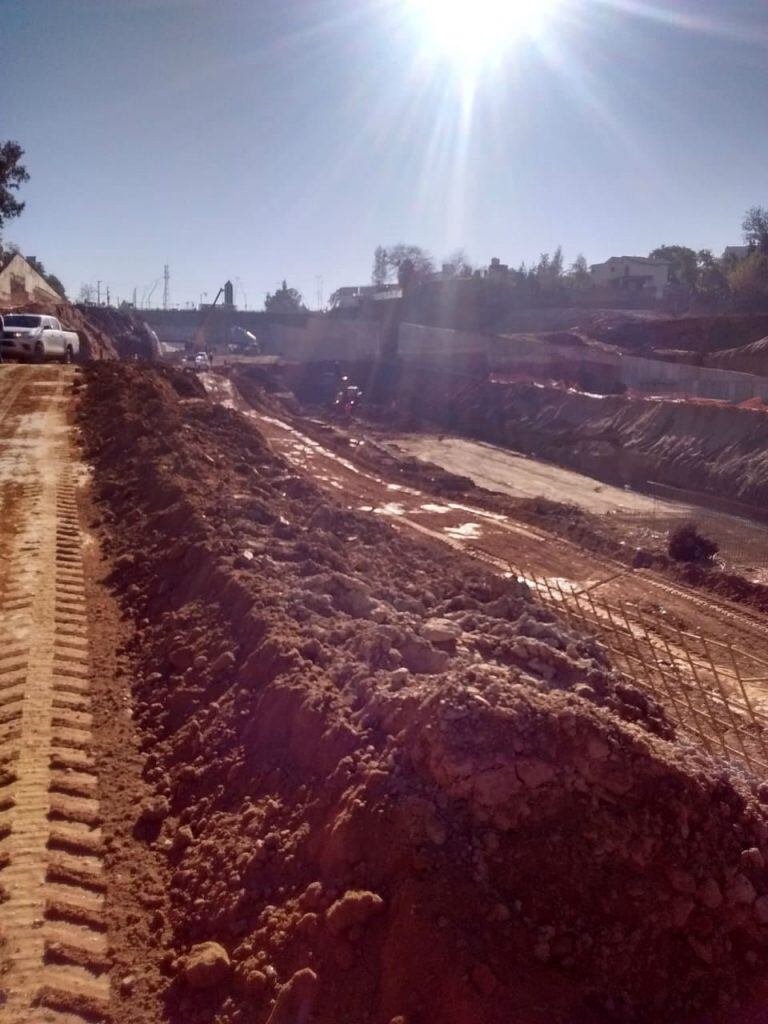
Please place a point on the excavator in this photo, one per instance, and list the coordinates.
(199, 338)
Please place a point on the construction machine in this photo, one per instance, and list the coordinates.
(200, 337)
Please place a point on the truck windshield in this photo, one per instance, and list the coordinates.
(18, 320)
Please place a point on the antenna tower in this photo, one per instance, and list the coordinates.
(166, 285)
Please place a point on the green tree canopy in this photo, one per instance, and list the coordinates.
(755, 228)
(12, 175)
(749, 280)
(684, 262)
(285, 300)
(401, 262)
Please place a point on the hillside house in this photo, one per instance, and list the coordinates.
(633, 274)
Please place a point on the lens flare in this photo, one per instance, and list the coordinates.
(473, 33)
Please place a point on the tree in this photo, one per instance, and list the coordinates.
(711, 281)
(457, 264)
(285, 300)
(87, 294)
(401, 262)
(380, 267)
(578, 272)
(755, 227)
(547, 275)
(684, 262)
(748, 280)
(12, 175)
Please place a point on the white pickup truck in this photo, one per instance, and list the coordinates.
(33, 337)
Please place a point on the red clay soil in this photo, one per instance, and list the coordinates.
(388, 787)
(130, 335)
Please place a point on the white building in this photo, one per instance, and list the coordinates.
(632, 273)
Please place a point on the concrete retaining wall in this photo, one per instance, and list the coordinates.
(327, 339)
(540, 357)
(657, 377)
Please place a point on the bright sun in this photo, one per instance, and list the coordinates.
(471, 33)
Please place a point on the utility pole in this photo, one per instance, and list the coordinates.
(166, 285)
(134, 297)
(98, 293)
(107, 294)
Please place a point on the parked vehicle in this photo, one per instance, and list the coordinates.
(32, 337)
(199, 361)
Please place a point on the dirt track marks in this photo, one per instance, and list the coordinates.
(51, 919)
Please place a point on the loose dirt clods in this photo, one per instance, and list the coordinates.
(387, 785)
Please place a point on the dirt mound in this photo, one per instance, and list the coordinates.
(388, 786)
(752, 358)
(697, 334)
(95, 343)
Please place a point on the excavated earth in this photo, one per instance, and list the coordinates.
(386, 786)
(707, 447)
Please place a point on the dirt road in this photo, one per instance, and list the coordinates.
(54, 947)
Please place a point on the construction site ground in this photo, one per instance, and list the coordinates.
(644, 520)
(290, 737)
(496, 539)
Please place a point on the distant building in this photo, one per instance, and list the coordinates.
(632, 273)
(497, 269)
(20, 283)
(736, 252)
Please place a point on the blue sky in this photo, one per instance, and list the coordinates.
(274, 139)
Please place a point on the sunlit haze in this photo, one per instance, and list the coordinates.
(289, 138)
(476, 34)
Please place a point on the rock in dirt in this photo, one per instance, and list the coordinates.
(354, 908)
(154, 810)
(295, 999)
(206, 965)
(440, 631)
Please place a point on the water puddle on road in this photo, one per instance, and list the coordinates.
(466, 531)
(391, 508)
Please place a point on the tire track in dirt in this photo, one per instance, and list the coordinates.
(52, 918)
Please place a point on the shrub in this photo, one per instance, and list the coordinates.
(686, 544)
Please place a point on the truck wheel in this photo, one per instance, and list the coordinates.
(39, 353)
(68, 355)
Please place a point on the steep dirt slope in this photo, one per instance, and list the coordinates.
(390, 789)
(697, 334)
(752, 358)
(130, 335)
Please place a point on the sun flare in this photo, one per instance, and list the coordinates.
(473, 33)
